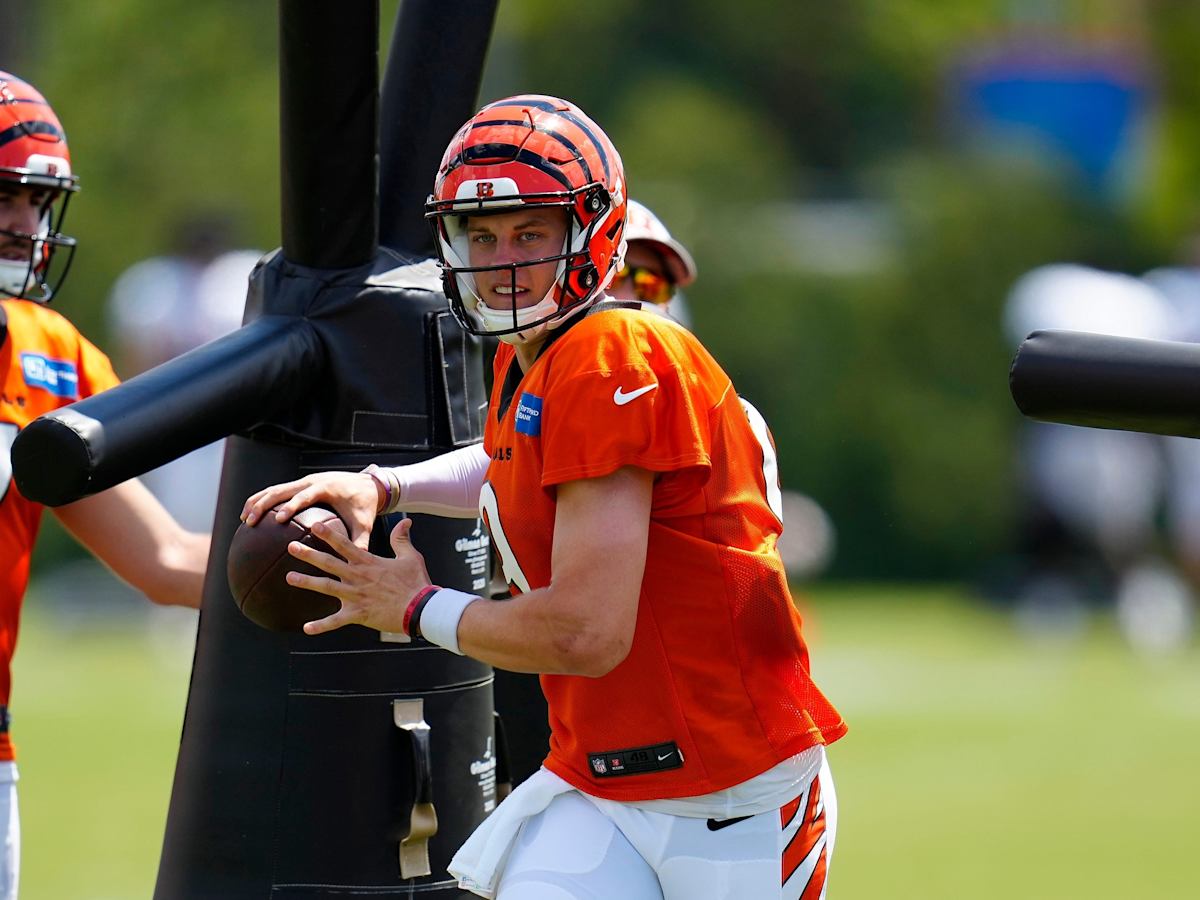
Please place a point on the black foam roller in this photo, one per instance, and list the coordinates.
(1100, 381)
(224, 386)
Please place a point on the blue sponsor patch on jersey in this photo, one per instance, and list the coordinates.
(57, 376)
(529, 415)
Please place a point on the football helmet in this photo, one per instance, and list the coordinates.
(530, 150)
(33, 157)
(643, 225)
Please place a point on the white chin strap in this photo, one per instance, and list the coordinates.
(500, 319)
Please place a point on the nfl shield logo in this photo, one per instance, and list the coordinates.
(598, 765)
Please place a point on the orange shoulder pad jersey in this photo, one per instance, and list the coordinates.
(47, 364)
(716, 688)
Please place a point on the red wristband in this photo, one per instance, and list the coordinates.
(412, 615)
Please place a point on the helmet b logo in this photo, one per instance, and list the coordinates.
(484, 189)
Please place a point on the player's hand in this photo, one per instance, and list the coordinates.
(374, 591)
(353, 495)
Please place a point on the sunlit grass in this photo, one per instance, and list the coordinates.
(97, 716)
(980, 763)
(983, 763)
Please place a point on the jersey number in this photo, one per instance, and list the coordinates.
(770, 467)
(490, 508)
(8, 434)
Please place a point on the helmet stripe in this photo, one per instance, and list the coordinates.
(571, 147)
(25, 129)
(598, 144)
(546, 106)
(508, 152)
(542, 164)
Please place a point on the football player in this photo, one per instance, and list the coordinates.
(656, 268)
(635, 505)
(48, 364)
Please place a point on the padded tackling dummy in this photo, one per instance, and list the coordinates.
(303, 758)
(296, 773)
(304, 762)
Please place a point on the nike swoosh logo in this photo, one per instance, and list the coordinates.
(718, 824)
(666, 756)
(620, 397)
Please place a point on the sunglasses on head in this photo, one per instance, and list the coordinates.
(648, 285)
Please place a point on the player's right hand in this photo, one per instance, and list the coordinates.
(353, 495)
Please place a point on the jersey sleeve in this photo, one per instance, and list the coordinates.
(617, 408)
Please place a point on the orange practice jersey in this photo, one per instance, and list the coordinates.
(47, 364)
(716, 688)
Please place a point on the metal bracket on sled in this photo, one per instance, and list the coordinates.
(409, 716)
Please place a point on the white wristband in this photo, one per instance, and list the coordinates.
(439, 618)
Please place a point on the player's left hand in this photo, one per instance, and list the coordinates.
(374, 591)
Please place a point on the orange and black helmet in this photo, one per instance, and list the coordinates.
(530, 150)
(34, 158)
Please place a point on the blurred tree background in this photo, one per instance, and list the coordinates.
(857, 221)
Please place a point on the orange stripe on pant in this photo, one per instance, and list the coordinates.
(806, 838)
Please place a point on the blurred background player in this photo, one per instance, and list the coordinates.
(48, 364)
(1179, 284)
(657, 267)
(1091, 497)
(165, 305)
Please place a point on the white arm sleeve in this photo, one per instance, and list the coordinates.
(447, 485)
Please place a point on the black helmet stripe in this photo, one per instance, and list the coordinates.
(571, 147)
(24, 129)
(538, 162)
(599, 145)
(566, 114)
(509, 151)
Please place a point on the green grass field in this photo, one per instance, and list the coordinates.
(980, 764)
(97, 719)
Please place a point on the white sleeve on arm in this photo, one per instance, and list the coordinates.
(447, 485)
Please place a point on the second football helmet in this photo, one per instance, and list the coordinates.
(34, 163)
(530, 150)
(644, 225)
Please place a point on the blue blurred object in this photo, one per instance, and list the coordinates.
(1085, 104)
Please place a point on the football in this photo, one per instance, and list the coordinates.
(258, 564)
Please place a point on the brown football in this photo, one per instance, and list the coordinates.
(258, 564)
